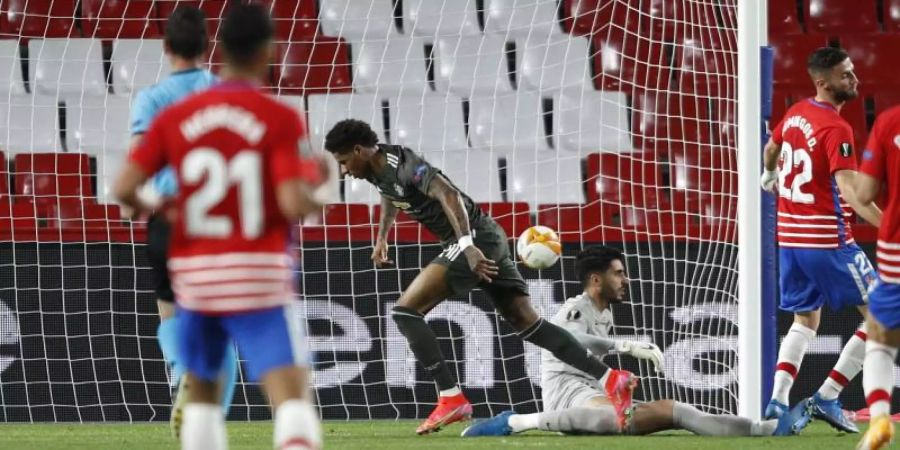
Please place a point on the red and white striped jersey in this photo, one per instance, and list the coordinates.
(815, 143)
(881, 160)
(231, 147)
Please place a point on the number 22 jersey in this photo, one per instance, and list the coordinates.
(815, 143)
(230, 146)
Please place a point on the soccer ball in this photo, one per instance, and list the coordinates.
(538, 247)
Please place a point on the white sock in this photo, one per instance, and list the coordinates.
(848, 365)
(878, 377)
(203, 428)
(790, 355)
(297, 426)
(452, 392)
(524, 422)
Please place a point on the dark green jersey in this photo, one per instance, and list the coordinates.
(405, 180)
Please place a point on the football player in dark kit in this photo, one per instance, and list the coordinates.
(476, 254)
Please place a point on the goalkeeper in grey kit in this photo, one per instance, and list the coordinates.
(476, 254)
(574, 405)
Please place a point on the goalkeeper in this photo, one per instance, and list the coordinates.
(574, 405)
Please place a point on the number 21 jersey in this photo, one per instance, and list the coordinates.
(815, 144)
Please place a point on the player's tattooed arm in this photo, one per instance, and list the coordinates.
(385, 222)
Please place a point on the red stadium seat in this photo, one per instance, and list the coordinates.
(295, 20)
(704, 64)
(885, 99)
(624, 179)
(514, 217)
(873, 59)
(118, 19)
(791, 53)
(42, 177)
(781, 101)
(214, 10)
(676, 119)
(840, 17)
(623, 60)
(37, 19)
(340, 222)
(318, 66)
(582, 17)
(575, 222)
(406, 229)
(854, 112)
(891, 16)
(783, 18)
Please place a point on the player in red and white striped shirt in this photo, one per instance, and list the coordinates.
(243, 183)
(881, 166)
(819, 262)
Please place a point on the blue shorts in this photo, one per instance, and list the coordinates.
(268, 339)
(812, 278)
(884, 303)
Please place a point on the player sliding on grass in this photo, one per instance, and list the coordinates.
(819, 262)
(476, 254)
(573, 403)
(243, 183)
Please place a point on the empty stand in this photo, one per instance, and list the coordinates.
(36, 19)
(577, 222)
(671, 118)
(548, 64)
(873, 59)
(472, 65)
(428, 123)
(108, 167)
(591, 121)
(475, 172)
(596, 17)
(214, 10)
(624, 60)
(631, 179)
(339, 222)
(783, 18)
(11, 80)
(440, 18)
(118, 19)
(507, 123)
(313, 66)
(791, 53)
(704, 66)
(840, 17)
(358, 19)
(98, 125)
(137, 63)
(514, 218)
(326, 110)
(42, 177)
(389, 67)
(30, 123)
(527, 179)
(522, 18)
(891, 15)
(360, 191)
(295, 20)
(854, 112)
(885, 99)
(66, 67)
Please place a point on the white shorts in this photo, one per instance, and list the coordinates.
(566, 391)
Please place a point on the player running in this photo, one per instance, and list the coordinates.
(242, 184)
(185, 44)
(880, 164)
(476, 254)
(574, 404)
(819, 262)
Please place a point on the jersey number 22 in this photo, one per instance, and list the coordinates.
(791, 158)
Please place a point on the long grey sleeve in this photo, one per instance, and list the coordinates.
(599, 346)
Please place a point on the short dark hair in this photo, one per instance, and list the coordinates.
(246, 30)
(186, 32)
(596, 259)
(824, 59)
(349, 133)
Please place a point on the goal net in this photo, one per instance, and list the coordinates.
(611, 121)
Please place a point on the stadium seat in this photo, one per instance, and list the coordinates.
(704, 64)
(313, 67)
(295, 20)
(515, 218)
(214, 10)
(119, 19)
(38, 19)
(872, 57)
(884, 100)
(11, 80)
(591, 121)
(30, 123)
(108, 166)
(854, 112)
(323, 111)
(783, 18)
(340, 222)
(840, 17)
(791, 53)
(432, 18)
(508, 123)
(623, 61)
(577, 222)
(357, 20)
(548, 64)
(472, 65)
(633, 179)
(673, 118)
(597, 17)
(781, 101)
(475, 172)
(667, 19)
(428, 123)
(389, 67)
(891, 16)
(137, 63)
(544, 179)
(405, 228)
(66, 67)
(77, 213)
(360, 191)
(42, 177)
(98, 125)
(521, 18)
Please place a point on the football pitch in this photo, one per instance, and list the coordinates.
(394, 435)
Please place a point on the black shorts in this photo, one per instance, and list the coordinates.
(158, 254)
(492, 241)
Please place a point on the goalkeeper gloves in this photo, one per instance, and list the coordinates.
(642, 350)
(769, 180)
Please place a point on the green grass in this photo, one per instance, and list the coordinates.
(390, 435)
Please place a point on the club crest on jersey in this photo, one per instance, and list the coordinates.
(420, 172)
(846, 149)
(399, 189)
(573, 315)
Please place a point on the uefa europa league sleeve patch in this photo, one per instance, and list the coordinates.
(846, 149)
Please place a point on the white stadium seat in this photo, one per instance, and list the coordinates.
(10, 69)
(469, 66)
(521, 17)
(390, 67)
(544, 178)
(98, 125)
(591, 121)
(30, 124)
(298, 102)
(138, 63)
(108, 167)
(66, 67)
(476, 173)
(360, 191)
(357, 19)
(507, 123)
(428, 123)
(550, 63)
(440, 17)
(323, 111)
